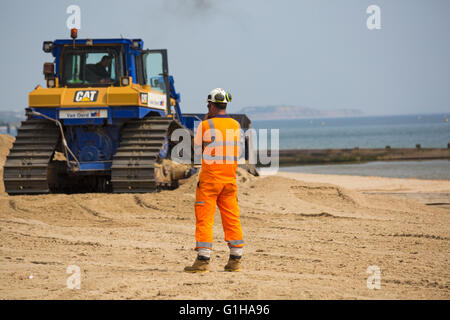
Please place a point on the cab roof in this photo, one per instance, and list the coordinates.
(61, 42)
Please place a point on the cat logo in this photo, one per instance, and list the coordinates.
(85, 96)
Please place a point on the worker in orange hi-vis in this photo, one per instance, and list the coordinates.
(219, 140)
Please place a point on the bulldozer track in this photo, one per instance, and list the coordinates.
(133, 167)
(26, 166)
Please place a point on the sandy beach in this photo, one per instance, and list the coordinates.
(308, 236)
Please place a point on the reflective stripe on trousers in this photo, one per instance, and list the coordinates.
(200, 244)
(235, 243)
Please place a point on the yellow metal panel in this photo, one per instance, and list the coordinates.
(122, 96)
(41, 97)
(107, 96)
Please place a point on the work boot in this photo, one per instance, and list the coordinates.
(201, 265)
(234, 264)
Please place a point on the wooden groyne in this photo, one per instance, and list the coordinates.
(321, 156)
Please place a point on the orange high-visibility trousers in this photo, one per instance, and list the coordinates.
(225, 196)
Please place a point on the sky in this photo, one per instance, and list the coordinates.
(313, 53)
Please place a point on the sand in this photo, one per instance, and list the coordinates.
(307, 237)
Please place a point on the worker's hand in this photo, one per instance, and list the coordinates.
(210, 113)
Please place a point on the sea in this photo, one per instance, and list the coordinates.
(401, 131)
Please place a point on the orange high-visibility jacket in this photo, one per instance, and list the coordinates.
(221, 139)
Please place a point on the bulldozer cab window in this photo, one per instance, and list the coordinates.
(153, 71)
(89, 67)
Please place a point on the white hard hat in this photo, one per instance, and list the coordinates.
(219, 95)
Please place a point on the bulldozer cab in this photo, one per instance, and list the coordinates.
(112, 63)
(120, 71)
(91, 67)
(105, 65)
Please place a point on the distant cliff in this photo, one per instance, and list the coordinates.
(295, 112)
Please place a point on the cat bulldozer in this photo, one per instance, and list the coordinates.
(104, 122)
